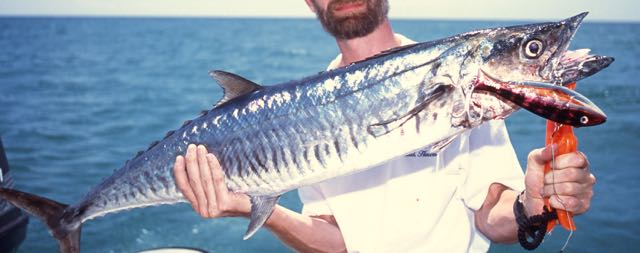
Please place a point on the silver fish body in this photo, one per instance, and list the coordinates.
(281, 137)
(273, 139)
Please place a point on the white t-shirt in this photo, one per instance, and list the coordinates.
(421, 202)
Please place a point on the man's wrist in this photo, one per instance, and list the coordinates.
(529, 235)
(532, 205)
(531, 228)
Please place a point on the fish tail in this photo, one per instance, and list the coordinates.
(62, 220)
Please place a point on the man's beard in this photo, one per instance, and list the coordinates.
(355, 25)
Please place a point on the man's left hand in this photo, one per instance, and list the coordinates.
(569, 185)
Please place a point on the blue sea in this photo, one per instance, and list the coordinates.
(79, 96)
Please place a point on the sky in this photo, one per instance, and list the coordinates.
(600, 10)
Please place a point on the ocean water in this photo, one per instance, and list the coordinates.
(79, 96)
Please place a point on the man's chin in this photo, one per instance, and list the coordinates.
(351, 28)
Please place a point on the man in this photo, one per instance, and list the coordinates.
(453, 201)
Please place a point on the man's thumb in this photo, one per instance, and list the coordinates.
(543, 155)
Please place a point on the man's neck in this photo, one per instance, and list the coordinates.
(382, 38)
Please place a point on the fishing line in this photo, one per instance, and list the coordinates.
(553, 183)
(468, 107)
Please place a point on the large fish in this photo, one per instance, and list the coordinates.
(272, 139)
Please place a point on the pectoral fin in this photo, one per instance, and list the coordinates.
(387, 126)
(261, 209)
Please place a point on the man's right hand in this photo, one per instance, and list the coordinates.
(201, 180)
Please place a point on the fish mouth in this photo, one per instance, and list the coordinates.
(579, 64)
(568, 66)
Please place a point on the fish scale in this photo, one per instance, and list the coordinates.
(272, 139)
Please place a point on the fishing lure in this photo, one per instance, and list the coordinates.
(565, 142)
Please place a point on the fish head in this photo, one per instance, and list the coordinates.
(534, 53)
(538, 53)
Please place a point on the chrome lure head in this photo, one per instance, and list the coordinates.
(535, 53)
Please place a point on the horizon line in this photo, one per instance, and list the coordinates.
(142, 16)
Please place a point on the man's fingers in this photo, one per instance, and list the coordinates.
(182, 181)
(569, 186)
(219, 185)
(207, 180)
(577, 175)
(570, 160)
(568, 203)
(569, 189)
(193, 172)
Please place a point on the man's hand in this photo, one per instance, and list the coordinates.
(569, 185)
(200, 178)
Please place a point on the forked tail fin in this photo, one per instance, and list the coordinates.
(52, 213)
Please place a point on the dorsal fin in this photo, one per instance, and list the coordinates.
(233, 85)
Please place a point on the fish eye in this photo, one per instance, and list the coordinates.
(584, 120)
(533, 48)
